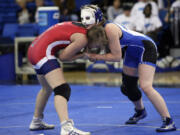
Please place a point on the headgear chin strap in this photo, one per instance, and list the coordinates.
(91, 14)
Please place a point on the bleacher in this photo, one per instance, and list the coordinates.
(9, 27)
(9, 30)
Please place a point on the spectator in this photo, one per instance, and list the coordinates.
(114, 10)
(67, 10)
(138, 8)
(23, 14)
(174, 5)
(39, 3)
(148, 23)
(167, 38)
(161, 4)
(155, 10)
(164, 4)
(125, 19)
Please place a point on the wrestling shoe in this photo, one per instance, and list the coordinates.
(139, 114)
(67, 128)
(38, 124)
(168, 125)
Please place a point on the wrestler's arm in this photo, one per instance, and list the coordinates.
(72, 51)
(113, 34)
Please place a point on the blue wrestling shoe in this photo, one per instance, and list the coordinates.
(168, 125)
(140, 114)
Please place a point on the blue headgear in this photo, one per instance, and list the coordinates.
(99, 15)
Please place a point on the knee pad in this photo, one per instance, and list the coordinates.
(130, 88)
(63, 90)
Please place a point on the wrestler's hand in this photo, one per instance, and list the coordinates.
(90, 56)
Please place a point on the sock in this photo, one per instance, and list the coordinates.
(63, 122)
(167, 120)
(139, 112)
(37, 118)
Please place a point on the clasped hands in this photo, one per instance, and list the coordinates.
(90, 56)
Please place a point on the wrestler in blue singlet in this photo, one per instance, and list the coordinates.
(140, 49)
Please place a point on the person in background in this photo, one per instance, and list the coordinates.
(137, 9)
(175, 4)
(114, 10)
(161, 4)
(23, 14)
(149, 24)
(39, 3)
(125, 18)
(67, 10)
(167, 40)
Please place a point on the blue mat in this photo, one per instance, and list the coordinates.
(101, 110)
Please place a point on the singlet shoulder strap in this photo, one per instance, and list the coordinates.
(79, 24)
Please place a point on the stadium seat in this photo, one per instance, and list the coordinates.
(48, 3)
(79, 3)
(162, 14)
(1, 18)
(10, 17)
(31, 5)
(27, 30)
(10, 30)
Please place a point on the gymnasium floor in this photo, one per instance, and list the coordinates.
(170, 79)
(99, 109)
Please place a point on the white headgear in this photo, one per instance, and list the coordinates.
(91, 14)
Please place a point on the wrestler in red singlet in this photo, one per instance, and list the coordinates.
(45, 46)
